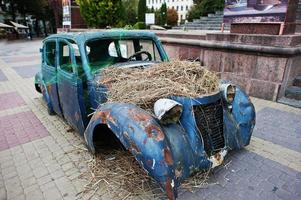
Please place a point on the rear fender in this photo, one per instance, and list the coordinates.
(37, 82)
(140, 133)
(42, 86)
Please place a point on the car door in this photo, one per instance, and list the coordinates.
(49, 72)
(70, 87)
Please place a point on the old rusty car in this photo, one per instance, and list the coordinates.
(208, 128)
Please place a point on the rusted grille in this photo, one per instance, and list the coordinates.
(209, 120)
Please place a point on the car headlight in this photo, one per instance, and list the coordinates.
(168, 111)
(229, 91)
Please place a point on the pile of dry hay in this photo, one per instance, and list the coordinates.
(143, 87)
(115, 174)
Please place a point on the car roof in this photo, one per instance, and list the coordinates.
(79, 37)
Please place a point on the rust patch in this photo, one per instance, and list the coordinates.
(134, 148)
(167, 157)
(105, 116)
(150, 129)
(139, 116)
(49, 88)
(168, 189)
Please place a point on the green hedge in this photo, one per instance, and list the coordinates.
(140, 25)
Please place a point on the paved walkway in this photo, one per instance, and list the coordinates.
(38, 156)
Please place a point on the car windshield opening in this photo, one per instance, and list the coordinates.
(102, 53)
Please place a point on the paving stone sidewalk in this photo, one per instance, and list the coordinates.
(38, 158)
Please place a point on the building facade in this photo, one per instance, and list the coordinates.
(181, 6)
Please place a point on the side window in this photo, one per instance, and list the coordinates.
(65, 60)
(50, 53)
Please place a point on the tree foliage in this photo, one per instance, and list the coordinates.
(142, 10)
(101, 13)
(163, 13)
(172, 17)
(160, 15)
(37, 8)
(204, 7)
(130, 7)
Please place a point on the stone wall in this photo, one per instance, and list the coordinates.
(248, 62)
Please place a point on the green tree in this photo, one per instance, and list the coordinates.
(130, 7)
(204, 7)
(101, 13)
(39, 9)
(142, 10)
(163, 13)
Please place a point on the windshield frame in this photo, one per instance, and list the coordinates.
(116, 39)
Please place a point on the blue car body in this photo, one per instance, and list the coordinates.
(208, 127)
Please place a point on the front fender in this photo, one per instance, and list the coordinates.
(141, 134)
(239, 121)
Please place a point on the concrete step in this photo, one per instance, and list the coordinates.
(204, 24)
(197, 28)
(211, 18)
(222, 12)
(290, 102)
(215, 15)
(202, 27)
(297, 81)
(293, 92)
(208, 22)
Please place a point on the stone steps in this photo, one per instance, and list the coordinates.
(297, 81)
(290, 102)
(210, 22)
(293, 94)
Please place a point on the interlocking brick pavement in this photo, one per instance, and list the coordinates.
(42, 162)
(19, 129)
(19, 59)
(2, 76)
(279, 127)
(250, 176)
(10, 100)
(27, 71)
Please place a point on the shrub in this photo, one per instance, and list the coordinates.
(128, 27)
(101, 13)
(140, 25)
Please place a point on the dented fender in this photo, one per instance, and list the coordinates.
(142, 135)
(239, 121)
